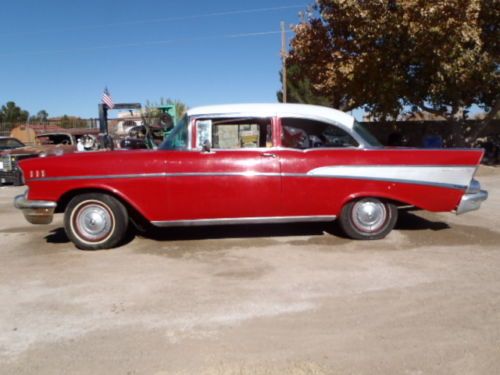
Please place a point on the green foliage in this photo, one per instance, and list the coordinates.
(300, 90)
(12, 114)
(71, 122)
(438, 56)
(180, 107)
(42, 117)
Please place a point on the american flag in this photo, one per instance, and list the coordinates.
(107, 99)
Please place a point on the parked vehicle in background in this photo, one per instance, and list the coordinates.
(243, 164)
(67, 141)
(11, 151)
(9, 143)
(136, 128)
(53, 143)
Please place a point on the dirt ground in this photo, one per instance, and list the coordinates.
(278, 299)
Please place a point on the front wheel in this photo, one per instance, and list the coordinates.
(95, 221)
(368, 218)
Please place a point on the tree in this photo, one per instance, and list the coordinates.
(300, 90)
(42, 117)
(438, 56)
(151, 109)
(72, 122)
(180, 107)
(11, 113)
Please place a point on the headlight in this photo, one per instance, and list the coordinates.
(6, 163)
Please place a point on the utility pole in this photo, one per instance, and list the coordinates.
(284, 55)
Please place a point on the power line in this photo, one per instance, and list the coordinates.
(158, 20)
(144, 44)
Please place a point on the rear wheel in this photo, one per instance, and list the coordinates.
(95, 221)
(368, 218)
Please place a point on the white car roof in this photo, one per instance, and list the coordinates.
(313, 112)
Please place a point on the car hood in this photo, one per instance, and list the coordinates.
(22, 151)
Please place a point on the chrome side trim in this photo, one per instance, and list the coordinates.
(157, 175)
(250, 174)
(101, 177)
(393, 180)
(244, 220)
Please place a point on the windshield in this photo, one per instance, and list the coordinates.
(178, 138)
(54, 139)
(10, 143)
(365, 134)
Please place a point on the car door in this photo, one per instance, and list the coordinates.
(308, 145)
(237, 176)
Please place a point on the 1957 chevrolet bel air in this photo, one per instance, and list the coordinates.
(238, 164)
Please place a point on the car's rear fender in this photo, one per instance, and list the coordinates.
(430, 198)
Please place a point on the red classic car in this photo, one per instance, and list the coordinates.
(234, 164)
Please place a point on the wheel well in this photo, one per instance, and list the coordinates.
(64, 200)
(385, 199)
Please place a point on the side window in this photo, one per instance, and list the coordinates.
(306, 134)
(235, 133)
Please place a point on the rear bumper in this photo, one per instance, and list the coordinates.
(36, 212)
(471, 201)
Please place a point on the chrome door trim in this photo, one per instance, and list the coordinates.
(243, 220)
(249, 174)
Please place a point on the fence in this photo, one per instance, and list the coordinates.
(51, 125)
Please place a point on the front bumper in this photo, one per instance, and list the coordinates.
(471, 201)
(36, 212)
(11, 177)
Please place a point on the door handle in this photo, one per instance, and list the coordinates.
(269, 155)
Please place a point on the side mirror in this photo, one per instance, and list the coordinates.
(206, 146)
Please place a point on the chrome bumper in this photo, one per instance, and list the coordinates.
(36, 212)
(471, 201)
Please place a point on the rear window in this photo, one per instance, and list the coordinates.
(304, 134)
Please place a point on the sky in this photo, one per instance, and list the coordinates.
(59, 55)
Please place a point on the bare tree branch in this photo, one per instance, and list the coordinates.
(433, 111)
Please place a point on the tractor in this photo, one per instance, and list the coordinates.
(145, 133)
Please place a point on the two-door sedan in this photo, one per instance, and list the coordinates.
(252, 163)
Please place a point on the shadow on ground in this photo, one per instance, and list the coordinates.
(240, 231)
(57, 236)
(407, 221)
(419, 229)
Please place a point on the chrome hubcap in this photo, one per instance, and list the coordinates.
(94, 222)
(368, 215)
